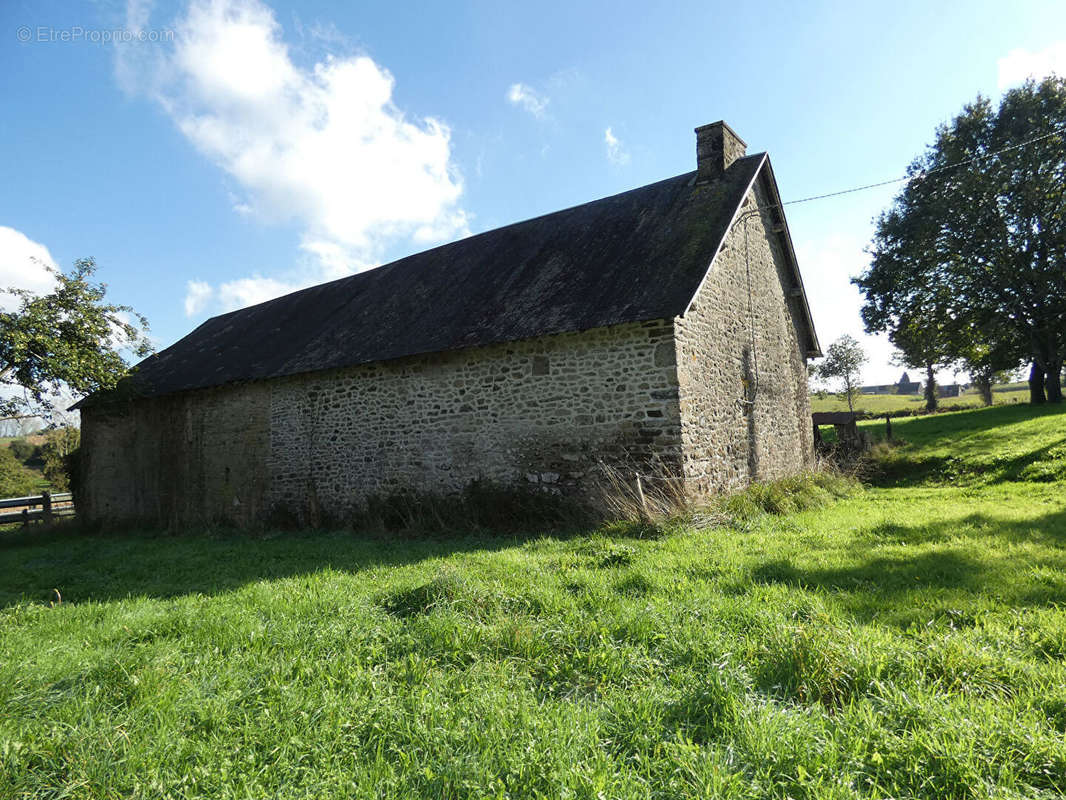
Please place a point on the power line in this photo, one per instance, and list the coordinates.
(1058, 129)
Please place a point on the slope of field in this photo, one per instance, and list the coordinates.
(890, 403)
(908, 641)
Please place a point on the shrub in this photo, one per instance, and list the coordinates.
(27, 452)
(15, 479)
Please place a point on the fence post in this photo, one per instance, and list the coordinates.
(25, 518)
(46, 507)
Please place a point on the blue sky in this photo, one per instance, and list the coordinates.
(231, 150)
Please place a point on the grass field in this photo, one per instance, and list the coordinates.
(889, 403)
(907, 641)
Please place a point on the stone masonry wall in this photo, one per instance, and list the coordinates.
(540, 412)
(537, 412)
(193, 457)
(726, 441)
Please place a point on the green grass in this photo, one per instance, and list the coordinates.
(915, 403)
(908, 640)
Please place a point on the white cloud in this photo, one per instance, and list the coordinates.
(249, 291)
(616, 153)
(1020, 64)
(198, 295)
(231, 295)
(23, 263)
(527, 98)
(334, 260)
(323, 146)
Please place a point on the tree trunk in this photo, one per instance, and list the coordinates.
(849, 391)
(930, 388)
(1036, 385)
(984, 388)
(1053, 381)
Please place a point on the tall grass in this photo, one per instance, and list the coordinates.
(802, 492)
(657, 495)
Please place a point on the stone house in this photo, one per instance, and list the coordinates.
(907, 386)
(665, 323)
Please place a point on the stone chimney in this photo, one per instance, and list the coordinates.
(717, 146)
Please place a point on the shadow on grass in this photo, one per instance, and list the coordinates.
(891, 587)
(1041, 465)
(951, 426)
(101, 567)
(971, 446)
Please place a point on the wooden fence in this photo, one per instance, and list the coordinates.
(44, 507)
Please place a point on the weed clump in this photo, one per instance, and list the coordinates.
(605, 553)
(787, 495)
(653, 500)
(446, 588)
(644, 493)
(815, 663)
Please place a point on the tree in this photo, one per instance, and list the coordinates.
(979, 234)
(59, 447)
(843, 361)
(989, 360)
(67, 341)
(923, 342)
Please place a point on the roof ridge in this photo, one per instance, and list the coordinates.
(454, 242)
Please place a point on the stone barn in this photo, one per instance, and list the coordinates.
(666, 323)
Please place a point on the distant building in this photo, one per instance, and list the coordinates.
(883, 388)
(904, 386)
(907, 386)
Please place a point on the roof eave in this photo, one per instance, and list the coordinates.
(814, 349)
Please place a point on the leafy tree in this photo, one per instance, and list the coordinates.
(979, 235)
(69, 340)
(989, 360)
(923, 342)
(59, 447)
(843, 361)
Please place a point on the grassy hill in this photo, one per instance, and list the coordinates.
(891, 403)
(908, 641)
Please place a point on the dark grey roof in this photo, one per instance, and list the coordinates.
(636, 256)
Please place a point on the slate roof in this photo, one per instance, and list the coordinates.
(636, 256)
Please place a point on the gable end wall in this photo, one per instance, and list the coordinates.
(726, 444)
